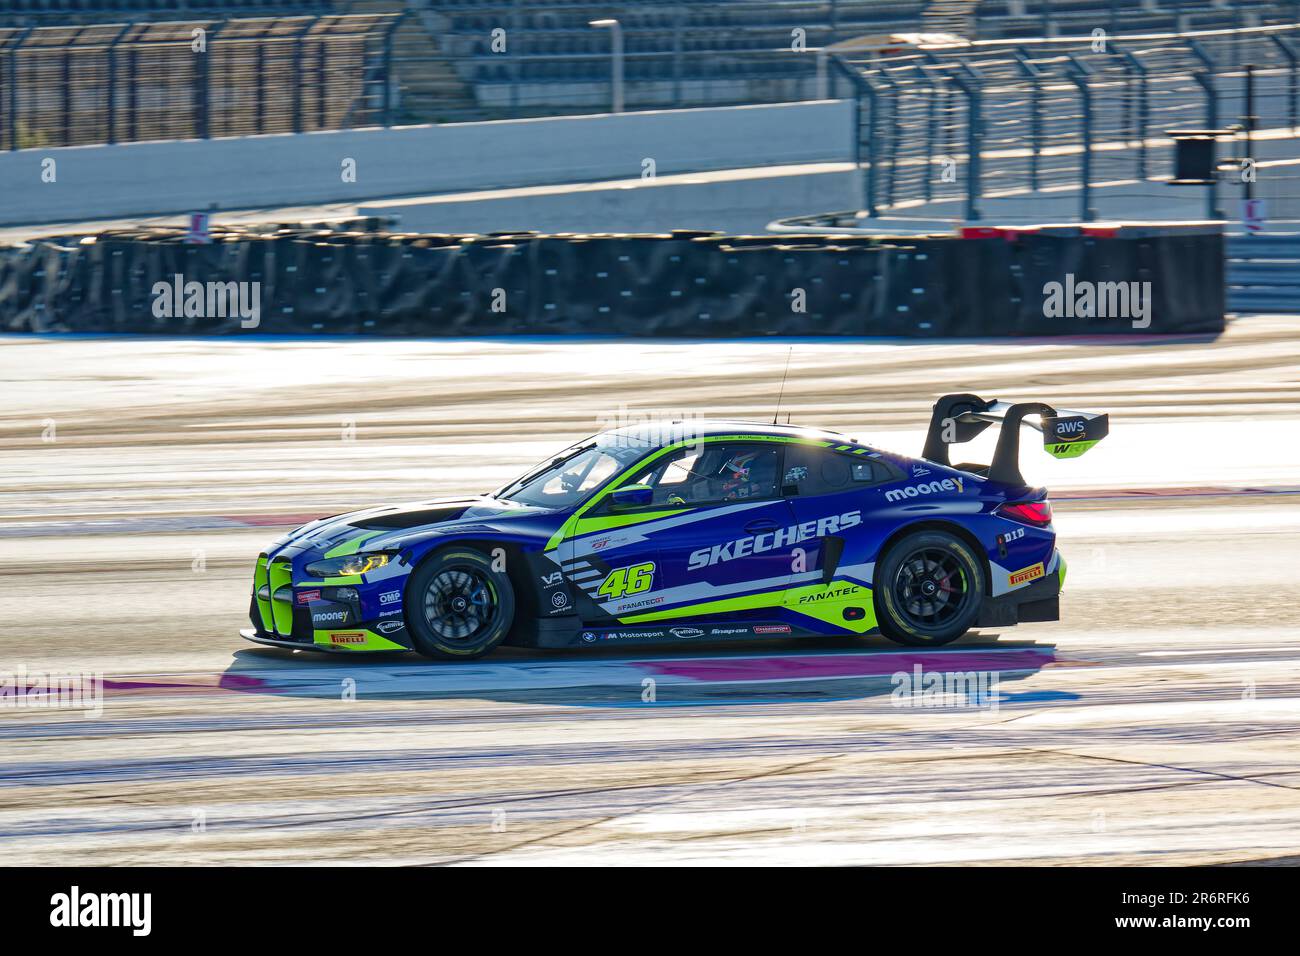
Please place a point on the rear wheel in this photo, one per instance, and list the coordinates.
(929, 588)
(458, 606)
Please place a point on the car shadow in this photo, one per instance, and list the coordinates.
(970, 673)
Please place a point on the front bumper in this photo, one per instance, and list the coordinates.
(251, 634)
(365, 615)
(373, 644)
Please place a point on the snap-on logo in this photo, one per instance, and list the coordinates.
(925, 488)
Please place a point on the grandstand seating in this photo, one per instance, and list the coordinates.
(47, 12)
(684, 52)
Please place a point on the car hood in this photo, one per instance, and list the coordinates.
(394, 525)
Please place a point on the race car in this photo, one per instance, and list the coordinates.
(692, 532)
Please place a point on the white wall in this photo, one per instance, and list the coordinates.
(143, 179)
(733, 201)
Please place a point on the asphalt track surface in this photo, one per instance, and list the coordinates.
(1158, 722)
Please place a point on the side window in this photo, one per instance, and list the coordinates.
(670, 474)
(815, 471)
(711, 473)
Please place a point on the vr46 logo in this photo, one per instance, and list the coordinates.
(631, 580)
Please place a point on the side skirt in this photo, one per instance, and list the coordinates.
(674, 634)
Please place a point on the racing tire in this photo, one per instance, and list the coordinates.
(457, 605)
(929, 588)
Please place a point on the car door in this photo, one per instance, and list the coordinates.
(728, 549)
(827, 488)
(609, 557)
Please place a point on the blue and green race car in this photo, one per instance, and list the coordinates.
(692, 532)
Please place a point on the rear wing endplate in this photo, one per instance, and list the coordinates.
(959, 418)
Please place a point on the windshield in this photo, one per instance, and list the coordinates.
(568, 478)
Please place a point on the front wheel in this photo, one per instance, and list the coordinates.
(458, 606)
(929, 588)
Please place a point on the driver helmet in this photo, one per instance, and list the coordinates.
(738, 480)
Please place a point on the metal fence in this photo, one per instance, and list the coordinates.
(109, 83)
(475, 59)
(971, 121)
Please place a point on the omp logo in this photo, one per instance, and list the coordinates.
(925, 488)
(772, 540)
(1026, 574)
(828, 595)
(75, 908)
(390, 597)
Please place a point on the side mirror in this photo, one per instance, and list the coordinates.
(631, 496)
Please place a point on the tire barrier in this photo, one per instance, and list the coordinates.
(299, 280)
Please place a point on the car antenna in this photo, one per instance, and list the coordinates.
(781, 393)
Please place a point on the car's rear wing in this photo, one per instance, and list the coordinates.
(959, 418)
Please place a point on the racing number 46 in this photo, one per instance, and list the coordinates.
(632, 580)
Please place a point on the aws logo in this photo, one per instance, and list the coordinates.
(1070, 429)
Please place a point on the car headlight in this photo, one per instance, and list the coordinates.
(348, 565)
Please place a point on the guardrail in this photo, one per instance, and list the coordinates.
(966, 121)
(1263, 273)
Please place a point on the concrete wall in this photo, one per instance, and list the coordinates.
(735, 201)
(143, 179)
